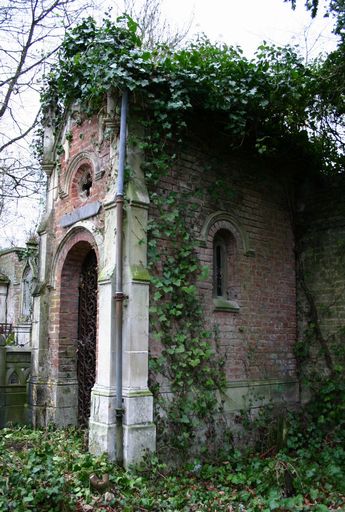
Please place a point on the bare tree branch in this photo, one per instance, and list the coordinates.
(31, 32)
(21, 135)
(154, 27)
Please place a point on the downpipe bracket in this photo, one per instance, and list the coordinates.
(120, 296)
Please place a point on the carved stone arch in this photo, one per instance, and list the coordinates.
(73, 313)
(224, 220)
(76, 234)
(87, 159)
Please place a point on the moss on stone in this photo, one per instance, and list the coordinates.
(140, 273)
(221, 304)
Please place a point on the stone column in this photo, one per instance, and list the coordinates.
(38, 384)
(102, 425)
(39, 387)
(139, 432)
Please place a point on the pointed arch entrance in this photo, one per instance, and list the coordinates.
(78, 324)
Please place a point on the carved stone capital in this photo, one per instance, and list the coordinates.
(48, 167)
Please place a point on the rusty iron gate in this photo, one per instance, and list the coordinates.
(87, 324)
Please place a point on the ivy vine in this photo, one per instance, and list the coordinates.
(266, 106)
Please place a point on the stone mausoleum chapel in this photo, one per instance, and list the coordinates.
(91, 325)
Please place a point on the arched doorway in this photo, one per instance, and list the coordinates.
(78, 327)
(87, 328)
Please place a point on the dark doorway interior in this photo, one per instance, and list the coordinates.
(87, 328)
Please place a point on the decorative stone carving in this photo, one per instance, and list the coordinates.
(111, 121)
(83, 158)
(236, 227)
(27, 292)
(13, 378)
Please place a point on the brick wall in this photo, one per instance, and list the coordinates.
(321, 243)
(84, 140)
(257, 340)
(258, 337)
(66, 255)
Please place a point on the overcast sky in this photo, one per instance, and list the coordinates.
(248, 22)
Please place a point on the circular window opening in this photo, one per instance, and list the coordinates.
(85, 185)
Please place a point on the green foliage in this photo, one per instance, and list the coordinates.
(10, 340)
(311, 5)
(328, 108)
(81, 72)
(49, 470)
(44, 470)
(268, 105)
(188, 361)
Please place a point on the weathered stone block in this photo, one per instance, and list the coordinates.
(138, 441)
(138, 408)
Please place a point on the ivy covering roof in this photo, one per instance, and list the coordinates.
(271, 104)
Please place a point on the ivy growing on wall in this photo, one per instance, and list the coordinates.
(267, 106)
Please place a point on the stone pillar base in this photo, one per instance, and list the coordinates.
(102, 425)
(139, 432)
(138, 441)
(53, 402)
(102, 439)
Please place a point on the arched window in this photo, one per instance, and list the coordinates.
(220, 270)
(225, 271)
(226, 243)
(82, 183)
(82, 171)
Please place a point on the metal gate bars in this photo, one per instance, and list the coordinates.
(86, 347)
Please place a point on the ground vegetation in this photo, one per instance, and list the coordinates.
(50, 470)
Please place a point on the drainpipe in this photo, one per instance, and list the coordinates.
(119, 295)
